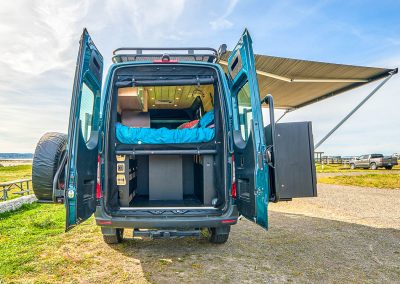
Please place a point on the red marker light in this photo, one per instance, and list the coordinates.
(228, 221)
(234, 186)
(98, 181)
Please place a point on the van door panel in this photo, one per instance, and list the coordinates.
(251, 171)
(83, 130)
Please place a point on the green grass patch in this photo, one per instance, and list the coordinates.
(35, 249)
(391, 181)
(15, 172)
(25, 234)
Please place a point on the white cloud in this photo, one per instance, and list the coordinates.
(221, 22)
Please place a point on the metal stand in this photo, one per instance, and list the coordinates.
(286, 111)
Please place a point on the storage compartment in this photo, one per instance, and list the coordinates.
(170, 130)
(132, 98)
(168, 181)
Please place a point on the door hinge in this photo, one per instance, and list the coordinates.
(260, 160)
(268, 156)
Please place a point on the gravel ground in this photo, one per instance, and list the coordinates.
(372, 207)
(8, 163)
(346, 234)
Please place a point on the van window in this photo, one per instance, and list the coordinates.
(245, 112)
(86, 111)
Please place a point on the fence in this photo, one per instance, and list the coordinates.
(20, 187)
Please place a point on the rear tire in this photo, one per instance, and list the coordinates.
(114, 239)
(389, 167)
(352, 166)
(217, 237)
(46, 160)
(373, 166)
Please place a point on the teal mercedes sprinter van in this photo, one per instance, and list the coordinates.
(171, 143)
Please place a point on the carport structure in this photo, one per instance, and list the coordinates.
(296, 83)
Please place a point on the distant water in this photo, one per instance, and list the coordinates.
(15, 156)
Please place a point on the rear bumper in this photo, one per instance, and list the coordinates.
(158, 222)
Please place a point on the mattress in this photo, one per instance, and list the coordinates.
(133, 135)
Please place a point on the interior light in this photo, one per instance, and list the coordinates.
(152, 98)
(176, 105)
(177, 98)
(151, 89)
(179, 89)
(153, 105)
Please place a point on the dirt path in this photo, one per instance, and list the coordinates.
(347, 234)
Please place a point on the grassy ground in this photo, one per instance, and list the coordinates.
(369, 180)
(337, 168)
(14, 173)
(26, 235)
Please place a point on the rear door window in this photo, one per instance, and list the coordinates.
(245, 112)
(86, 112)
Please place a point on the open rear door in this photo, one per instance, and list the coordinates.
(83, 135)
(251, 171)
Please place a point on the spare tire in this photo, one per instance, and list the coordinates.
(46, 160)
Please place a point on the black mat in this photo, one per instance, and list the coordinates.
(143, 201)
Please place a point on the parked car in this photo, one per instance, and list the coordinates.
(373, 162)
(171, 144)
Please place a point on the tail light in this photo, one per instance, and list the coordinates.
(98, 182)
(165, 59)
(233, 193)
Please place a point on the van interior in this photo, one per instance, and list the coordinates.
(167, 142)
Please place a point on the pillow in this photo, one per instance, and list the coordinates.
(207, 119)
(190, 124)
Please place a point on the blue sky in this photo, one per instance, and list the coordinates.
(39, 44)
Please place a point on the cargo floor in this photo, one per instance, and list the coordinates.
(143, 201)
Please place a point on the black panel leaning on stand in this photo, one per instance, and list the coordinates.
(294, 160)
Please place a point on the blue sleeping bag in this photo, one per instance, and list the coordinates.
(132, 135)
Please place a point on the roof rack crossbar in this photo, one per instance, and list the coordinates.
(148, 53)
(190, 50)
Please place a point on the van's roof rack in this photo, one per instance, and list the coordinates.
(126, 54)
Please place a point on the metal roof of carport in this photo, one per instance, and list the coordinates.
(295, 83)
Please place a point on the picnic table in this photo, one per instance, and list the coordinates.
(19, 184)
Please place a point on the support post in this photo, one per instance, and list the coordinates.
(353, 111)
(286, 111)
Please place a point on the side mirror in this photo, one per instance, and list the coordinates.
(222, 49)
